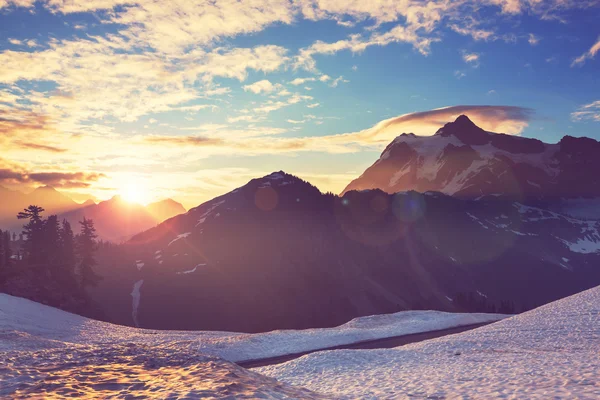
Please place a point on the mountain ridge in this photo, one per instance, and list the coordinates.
(270, 254)
(464, 160)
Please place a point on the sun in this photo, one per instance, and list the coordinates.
(134, 193)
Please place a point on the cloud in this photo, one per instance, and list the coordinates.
(471, 58)
(338, 80)
(356, 43)
(301, 81)
(507, 119)
(273, 105)
(15, 173)
(504, 119)
(533, 39)
(587, 112)
(475, 33)
(65, 179)
(244, 118)
(102, 77)
(264, 86)
(39, 146)
(184, 140)
(588, 55)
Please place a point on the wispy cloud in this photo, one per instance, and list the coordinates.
(338, 80)
(15, 173)
(533, 39)
(589, 111)
(471, 58)
(588, 55)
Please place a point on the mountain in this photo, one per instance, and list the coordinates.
(277, 253)
(165, 209)
(117, 220)
(13, 201)
(465, 161)
(51, 199)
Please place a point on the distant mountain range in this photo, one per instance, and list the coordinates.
(465, 161)
(461, 217)
(14, 201)
(277, 253)
(115, 219)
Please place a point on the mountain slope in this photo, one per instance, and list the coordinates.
(47, 197)
(165, 209)
(463, 160)
(551, 351)
(276, 253)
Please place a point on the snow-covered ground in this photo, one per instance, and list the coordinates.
(46, 324)
(52, 353)
(550, 352)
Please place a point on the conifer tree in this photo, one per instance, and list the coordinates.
(7, 249)
(87, 248)
(50, 250)
(33, 231)
(67, 248)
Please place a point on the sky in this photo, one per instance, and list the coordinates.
(190, 99)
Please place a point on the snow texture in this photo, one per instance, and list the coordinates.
(191, 270)
(205, 215)
(52, 324)
(430, 159)
(549, 352)
(135, 302)
(180, 236)
(51, 354)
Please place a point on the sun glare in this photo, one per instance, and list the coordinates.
(133, 193)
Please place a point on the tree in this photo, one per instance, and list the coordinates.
(7, 249)
(87, 248)
(67, 248)
(33, 232)
(50, 251)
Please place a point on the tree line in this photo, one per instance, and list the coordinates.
(472, 302)
(51, 247)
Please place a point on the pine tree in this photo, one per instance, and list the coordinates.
(87, 248)
(50, 251)
(67, 247)
(33, 231)
(7, 249)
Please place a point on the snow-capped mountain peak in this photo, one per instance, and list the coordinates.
(464, 160)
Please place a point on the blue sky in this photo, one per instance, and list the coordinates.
(191, 99)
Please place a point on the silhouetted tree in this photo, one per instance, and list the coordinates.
(50, 250)
(87, 248)
(7, 249)
(67, 248)
(33, 231)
